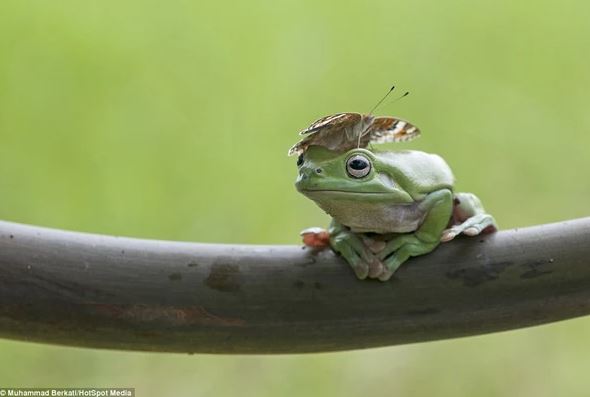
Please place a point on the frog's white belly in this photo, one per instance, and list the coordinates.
(373, 217)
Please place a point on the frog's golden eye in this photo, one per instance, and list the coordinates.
(300, 160)
(358, 166)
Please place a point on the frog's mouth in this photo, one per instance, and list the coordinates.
(351, 195)
(338, 194)
(341, 191)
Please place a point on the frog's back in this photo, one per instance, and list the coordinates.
(425, 172)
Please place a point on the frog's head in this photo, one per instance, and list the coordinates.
(358, 174)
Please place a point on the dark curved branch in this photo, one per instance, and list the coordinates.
(121, 293)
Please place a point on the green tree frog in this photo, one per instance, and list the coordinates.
(387, 206)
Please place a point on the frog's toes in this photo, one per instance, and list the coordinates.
(315, 237)
(361, 270)
(394, 261)
(353, 252)
(448, 235)
(481, 223)
(472, 231)
(376, 268)
(367, 252)
(385, 275)
(391, 265)
(375, 246)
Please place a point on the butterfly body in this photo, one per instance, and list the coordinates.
(344, 131)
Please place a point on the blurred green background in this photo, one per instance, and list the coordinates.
(172, 120)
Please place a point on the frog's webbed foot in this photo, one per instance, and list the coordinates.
(469, 217)
(351, 248)
(480, 223)
(356, 249)
(315, 237)
(358, 254)
(376, 266)
(400, 249)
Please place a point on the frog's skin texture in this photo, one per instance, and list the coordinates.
(387, 206)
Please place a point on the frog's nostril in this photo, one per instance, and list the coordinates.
(318, 170)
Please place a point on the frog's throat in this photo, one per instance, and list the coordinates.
(377, 216)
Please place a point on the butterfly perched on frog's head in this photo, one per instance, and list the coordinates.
(344, 131)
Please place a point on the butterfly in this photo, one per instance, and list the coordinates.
(344, 131)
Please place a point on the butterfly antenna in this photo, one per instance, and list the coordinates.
(382, 99)
(400, 97)
(405, 94)
(361, 133)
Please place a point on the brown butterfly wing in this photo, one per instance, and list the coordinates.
(333, 121)
(332, 132)
(391, 129)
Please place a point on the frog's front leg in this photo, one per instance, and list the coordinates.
(438, 207)
(469, 217)
(352, 248)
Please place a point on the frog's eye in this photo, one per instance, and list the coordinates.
(300, 160)
(358, 166)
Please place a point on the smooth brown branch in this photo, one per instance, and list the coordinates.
(129, 294)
